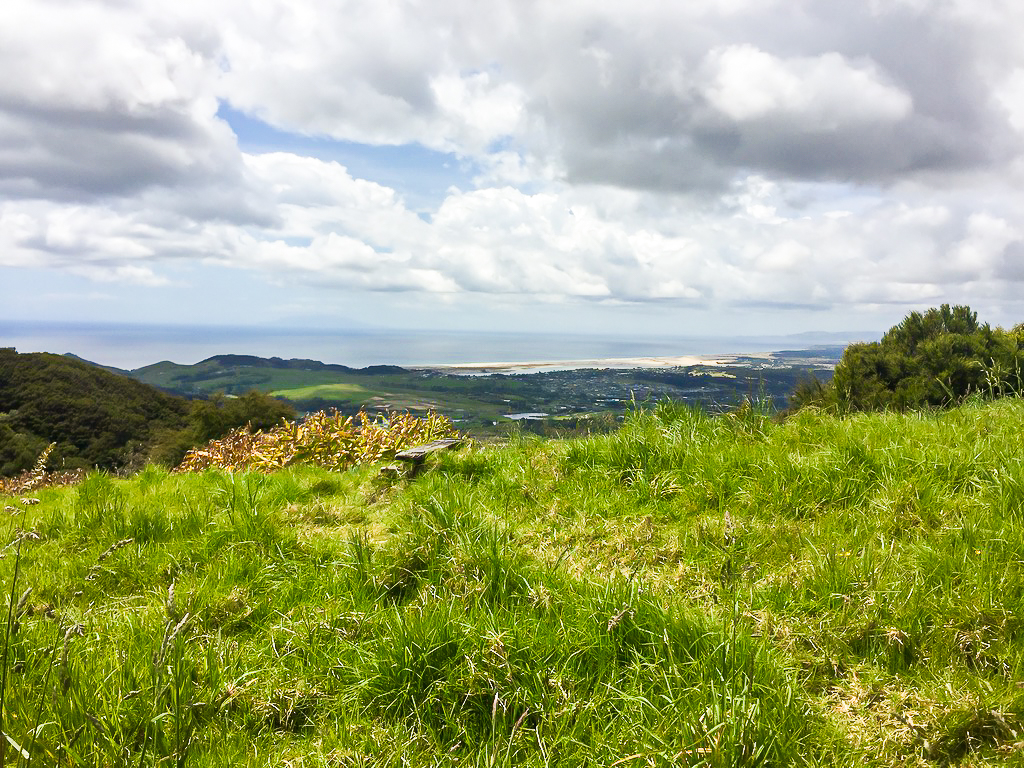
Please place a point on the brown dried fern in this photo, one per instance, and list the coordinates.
(38, 477)
(325, 439)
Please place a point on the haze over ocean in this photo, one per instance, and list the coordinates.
(134, 346)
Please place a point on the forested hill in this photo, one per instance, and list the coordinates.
(96, 417)
(105, 419)
(110, 368)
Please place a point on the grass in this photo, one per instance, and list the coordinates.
(345, 391)
(691, 590)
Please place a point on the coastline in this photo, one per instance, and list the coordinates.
(541, 366)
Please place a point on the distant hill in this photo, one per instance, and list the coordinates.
(294, 364)
(235, 374)
(830, 353)
(97, 417)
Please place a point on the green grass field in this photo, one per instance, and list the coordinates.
(690, 590)
(341, 391)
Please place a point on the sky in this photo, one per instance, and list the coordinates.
(648, 167)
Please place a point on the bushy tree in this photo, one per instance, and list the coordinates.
(932, 358)
(18, 451)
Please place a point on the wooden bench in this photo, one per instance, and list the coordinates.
(418, 453)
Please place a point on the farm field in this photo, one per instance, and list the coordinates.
(688, 590)
(342, 391)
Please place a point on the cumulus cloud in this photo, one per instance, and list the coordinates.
(653, 95)
(725, 154)
(590, 245)
(106, 101)
(805, 94)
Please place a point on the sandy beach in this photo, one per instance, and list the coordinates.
(539, 366)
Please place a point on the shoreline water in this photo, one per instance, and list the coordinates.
(131, 347)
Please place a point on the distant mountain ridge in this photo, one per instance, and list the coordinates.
(295, 364)
(251, 361)
(175, 377)
(242, 361)
(237, 374)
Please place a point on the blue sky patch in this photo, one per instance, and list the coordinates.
(420, 175)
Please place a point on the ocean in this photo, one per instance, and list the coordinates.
(134, 346)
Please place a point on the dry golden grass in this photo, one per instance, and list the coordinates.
(38, 477)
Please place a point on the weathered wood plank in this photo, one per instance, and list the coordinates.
(419, 452)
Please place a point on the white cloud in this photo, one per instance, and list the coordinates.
(1010, 95)
(978, 254)
(818, 93)
(729, 154)
(313, 197)
(333, 230)
(479, 111)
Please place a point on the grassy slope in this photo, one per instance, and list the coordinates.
(689, 590)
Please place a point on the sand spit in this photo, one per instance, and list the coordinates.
(539, 366)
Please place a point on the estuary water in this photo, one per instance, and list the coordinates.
(134, 346)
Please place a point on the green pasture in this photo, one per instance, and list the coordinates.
(264, 379)
(341, 391)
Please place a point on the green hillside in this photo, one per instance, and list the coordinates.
(101, 418)
(96, 417)
(690, 590)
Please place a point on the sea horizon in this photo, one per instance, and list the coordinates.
(135, 346)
